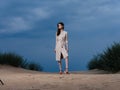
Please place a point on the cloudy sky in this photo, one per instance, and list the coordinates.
(27, 27)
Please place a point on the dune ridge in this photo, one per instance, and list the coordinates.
(21, 79)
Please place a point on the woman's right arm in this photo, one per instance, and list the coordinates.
(55, 42)
(66, 41)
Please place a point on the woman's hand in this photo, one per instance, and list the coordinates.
(67, 50)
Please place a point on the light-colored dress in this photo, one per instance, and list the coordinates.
(61, 45)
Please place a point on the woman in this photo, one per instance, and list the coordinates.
(61, 47)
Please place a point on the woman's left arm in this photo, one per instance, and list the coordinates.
(66, 41)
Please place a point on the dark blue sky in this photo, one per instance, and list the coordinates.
(27, 27)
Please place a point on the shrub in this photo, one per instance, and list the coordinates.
(34, 66)
(18, 61)
(109, 60)
(11, 59)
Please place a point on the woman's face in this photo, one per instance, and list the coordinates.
(60, 26)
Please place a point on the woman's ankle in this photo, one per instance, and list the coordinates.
(66, 69)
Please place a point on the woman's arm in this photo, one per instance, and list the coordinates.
(66, 41)
(55, 42)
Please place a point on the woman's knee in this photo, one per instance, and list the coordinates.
(59, 61)
(66, 58)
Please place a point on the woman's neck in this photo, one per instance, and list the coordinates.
(61, 30)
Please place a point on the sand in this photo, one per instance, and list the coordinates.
(20, 79)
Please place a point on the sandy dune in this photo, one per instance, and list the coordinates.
(21, 79)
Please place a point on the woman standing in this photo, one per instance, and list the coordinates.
(61, 47)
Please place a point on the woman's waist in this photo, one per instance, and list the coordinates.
(60, 45)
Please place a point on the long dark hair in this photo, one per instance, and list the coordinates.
(58, 30)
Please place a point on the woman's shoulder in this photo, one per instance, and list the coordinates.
(65, 31)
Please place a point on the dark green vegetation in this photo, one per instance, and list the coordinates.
(18, 61)
(109, 60)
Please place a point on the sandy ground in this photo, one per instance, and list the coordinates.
(21, 79)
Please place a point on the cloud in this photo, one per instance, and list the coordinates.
(15, 25)
(89, 15)
(39, 13)
(19, 17)
(79, 15)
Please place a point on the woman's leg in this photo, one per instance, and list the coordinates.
(66, 62)
(60, 66)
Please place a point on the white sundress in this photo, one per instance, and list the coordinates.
(61, 45)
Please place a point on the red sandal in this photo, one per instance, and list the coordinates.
(66, 72)
(60, 72)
